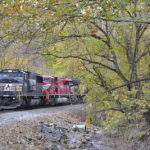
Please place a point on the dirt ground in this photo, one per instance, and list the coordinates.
(48, 129)
(55, 128)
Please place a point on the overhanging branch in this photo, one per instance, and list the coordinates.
(125, 20)
(81, 58)
(62, 38)
(141, 80)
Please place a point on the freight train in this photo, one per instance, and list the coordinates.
(22, 89)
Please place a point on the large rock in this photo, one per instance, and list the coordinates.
(68, 138)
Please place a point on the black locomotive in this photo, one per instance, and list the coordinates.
(20, 89)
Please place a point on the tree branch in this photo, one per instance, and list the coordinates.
(143, 54)
(141, 80)
(125, 20)
(62, 38)
(108, 109)
(104, 32)
(81, 58)
(118, 71)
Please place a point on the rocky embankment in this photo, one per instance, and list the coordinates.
(53, 132)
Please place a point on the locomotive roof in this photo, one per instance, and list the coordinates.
(17, 71)
(75, 81)
(47, 76)
(12, 70)
(66, 79)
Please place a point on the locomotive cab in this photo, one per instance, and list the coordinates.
(18, 88)
(11, 82)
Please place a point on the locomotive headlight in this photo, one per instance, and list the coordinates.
(19, 87)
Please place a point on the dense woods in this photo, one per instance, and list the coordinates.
(104, 43)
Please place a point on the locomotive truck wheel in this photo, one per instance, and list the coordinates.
(53, 101)
(74, 100)
(23, 104)
(70, 101)
(26, 102)
(42, 101)
(80, 99)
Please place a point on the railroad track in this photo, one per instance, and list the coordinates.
(6, 111)
(12, 116)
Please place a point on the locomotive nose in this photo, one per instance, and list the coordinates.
(10, 87)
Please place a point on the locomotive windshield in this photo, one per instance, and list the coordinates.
(46, 79)
(11, 77)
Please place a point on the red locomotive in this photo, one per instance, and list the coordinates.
(60, 90)
(19, 89)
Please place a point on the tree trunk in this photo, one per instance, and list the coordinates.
(134, 65)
